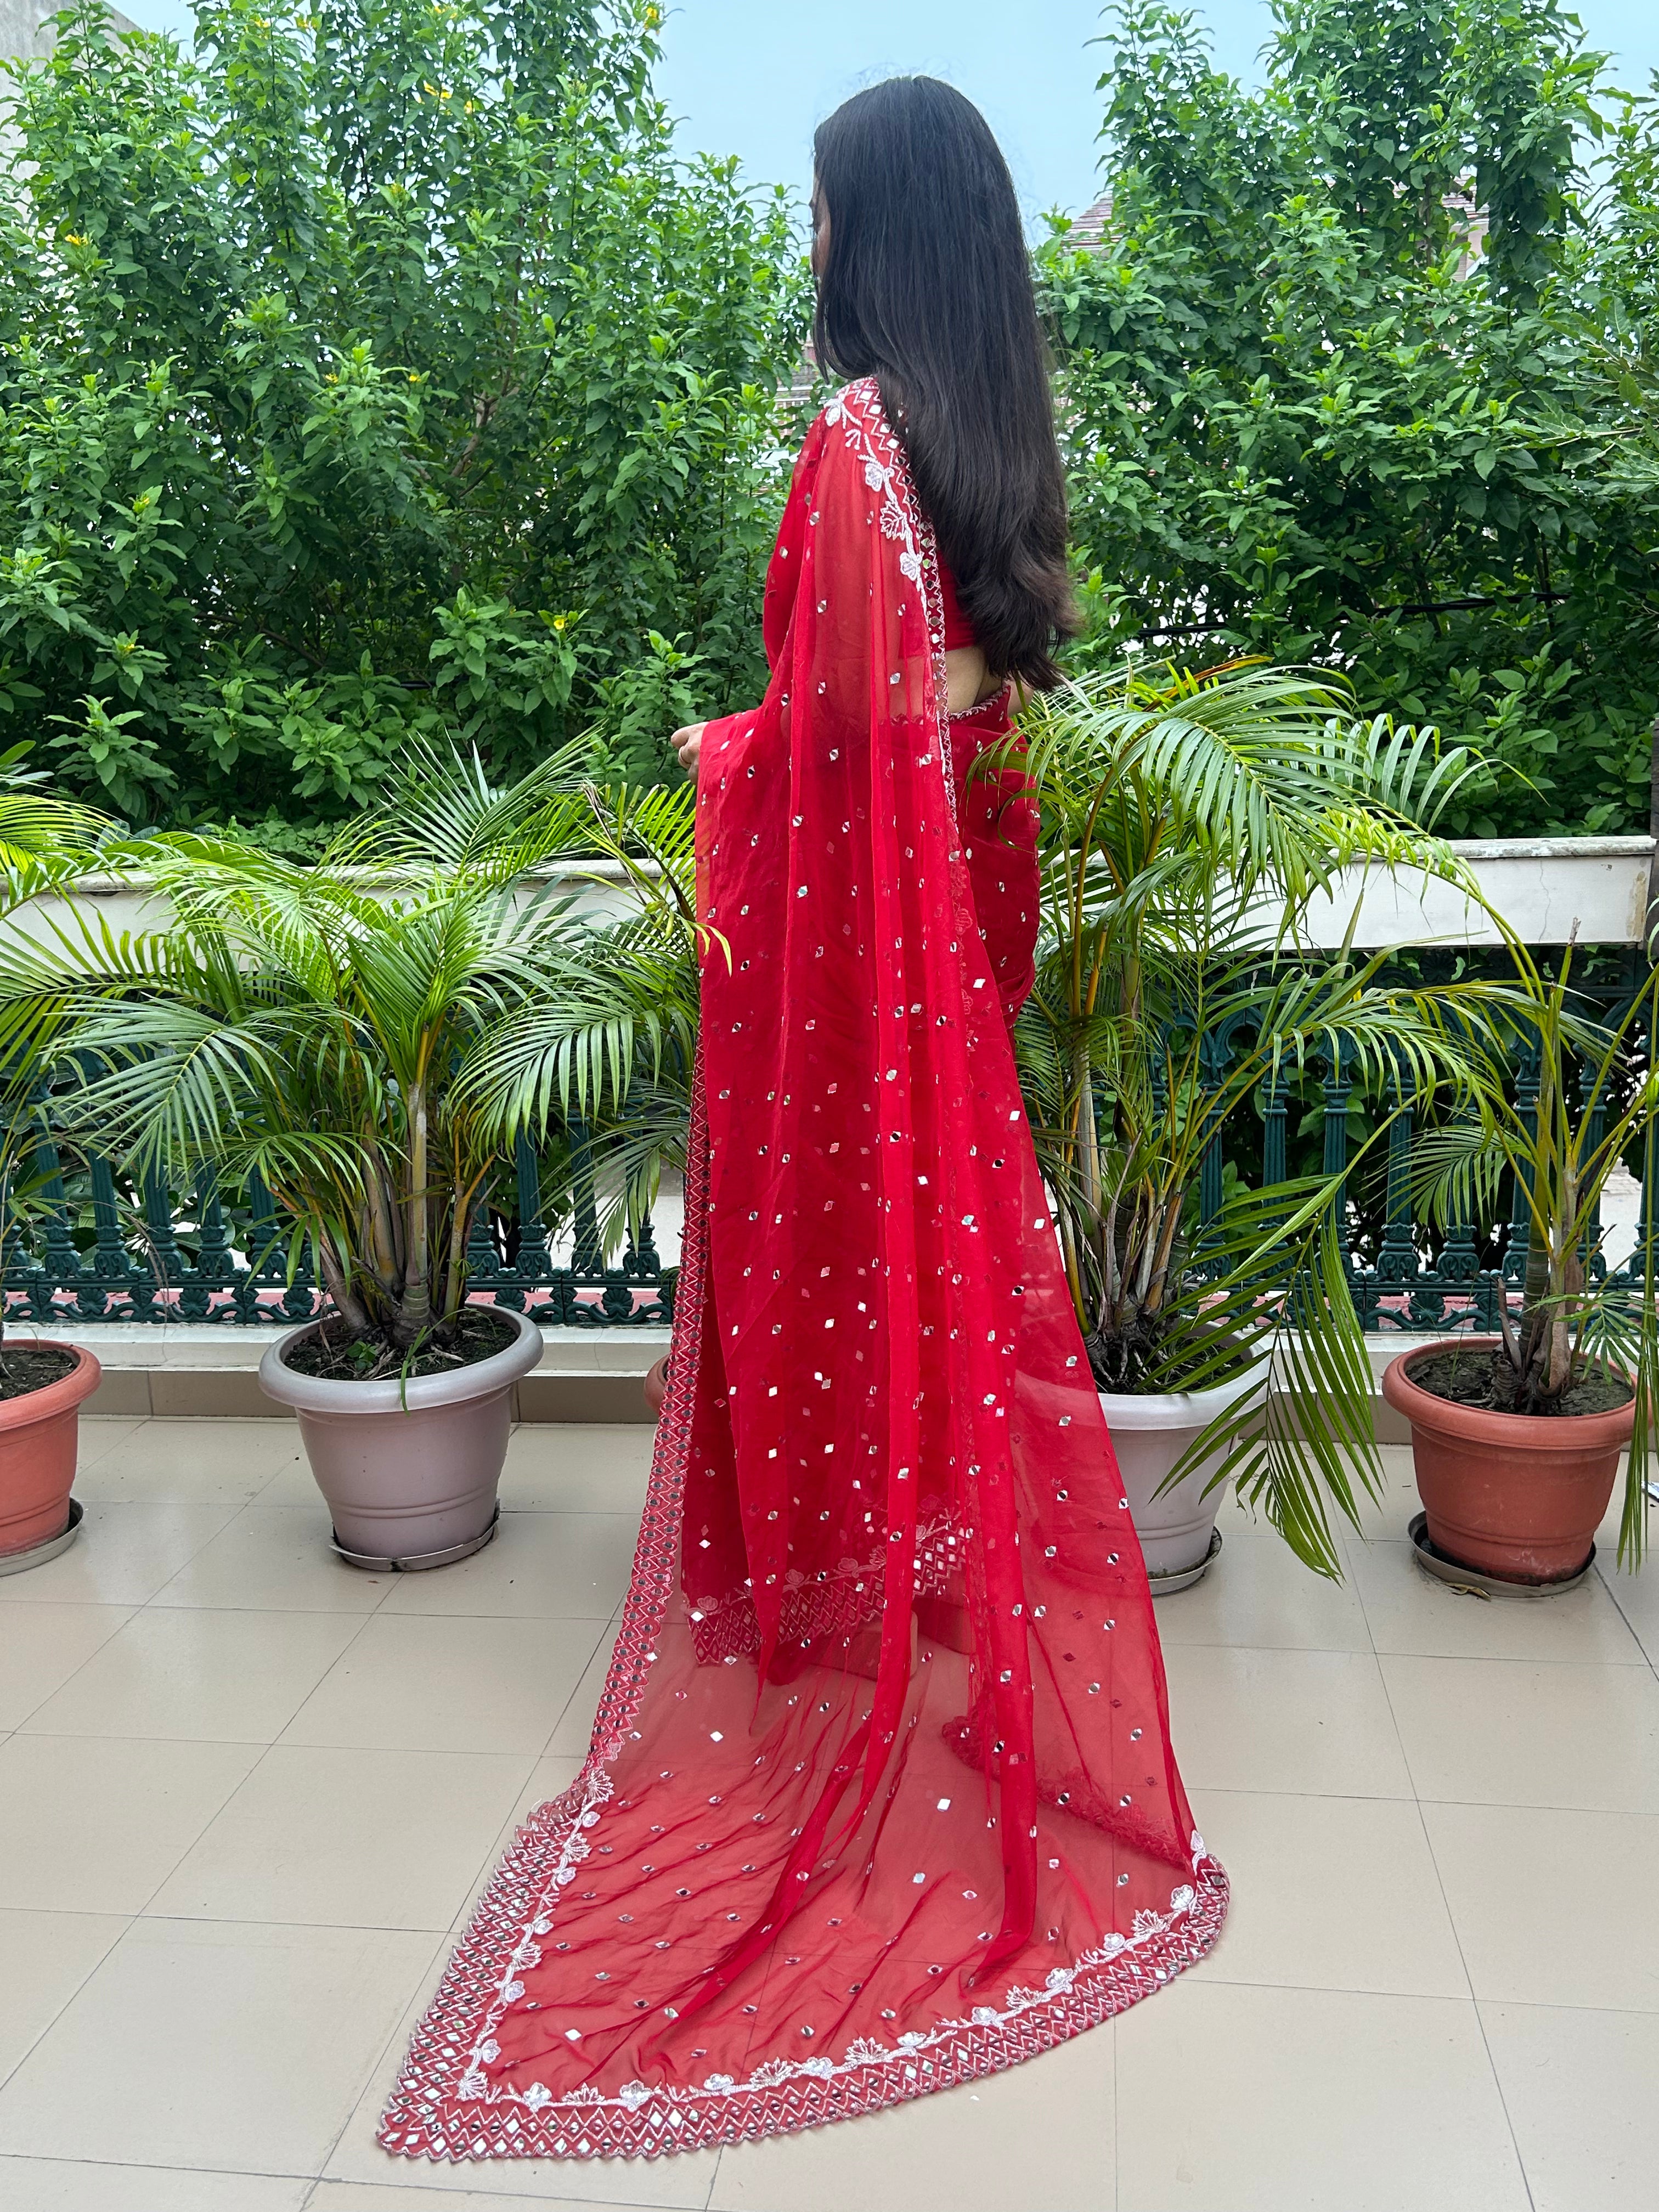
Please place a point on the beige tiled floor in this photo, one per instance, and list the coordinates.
(246, 1797)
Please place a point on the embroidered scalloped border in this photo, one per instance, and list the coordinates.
(479, 1983)
(422, 2121)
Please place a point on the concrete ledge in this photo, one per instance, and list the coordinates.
(194, 1372)
(191, 1372)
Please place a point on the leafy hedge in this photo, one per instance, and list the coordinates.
(1294, 428)
(371, 367)
(380, 366)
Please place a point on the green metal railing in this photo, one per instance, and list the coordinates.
(98, 1253)
(161, 1256)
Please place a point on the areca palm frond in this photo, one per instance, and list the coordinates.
(1188, 824)
(442, 810)
(370, 1038)
(44, 840)
(1257, 774)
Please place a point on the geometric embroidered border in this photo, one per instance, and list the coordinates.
(423, 2121)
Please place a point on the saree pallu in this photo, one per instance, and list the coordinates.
(880, 1797)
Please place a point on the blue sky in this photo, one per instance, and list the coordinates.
(752, 77)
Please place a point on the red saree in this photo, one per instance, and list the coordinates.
(880, 1796)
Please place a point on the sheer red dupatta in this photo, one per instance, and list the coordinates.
(880, 1796)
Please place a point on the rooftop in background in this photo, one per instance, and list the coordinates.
(25, 26)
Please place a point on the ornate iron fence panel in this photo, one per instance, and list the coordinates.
(164, 1256)
(178, 1257)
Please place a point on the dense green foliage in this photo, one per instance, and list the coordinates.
(373, 368)
(1300, 423)
(378, 369)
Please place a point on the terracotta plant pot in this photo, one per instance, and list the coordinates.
(1149, 1435)
(1517, 1496)
(656, 1386)
(410, 1469)
(36, 1452)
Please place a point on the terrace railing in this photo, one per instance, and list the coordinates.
(159, 1256)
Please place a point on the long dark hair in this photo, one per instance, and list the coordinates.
(927, 287)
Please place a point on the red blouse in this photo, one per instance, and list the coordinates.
(958, 629)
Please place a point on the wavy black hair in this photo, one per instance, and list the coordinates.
(927, 287)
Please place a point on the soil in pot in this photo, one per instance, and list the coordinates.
(1486, 1379)
(24, 1369)
(331, 1353)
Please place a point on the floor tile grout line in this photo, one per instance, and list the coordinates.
(19, 1726)
(23, 2057)
(592, 1653)
(1466, 1804)
(156, 2166)
(261, 1920)
(311, 2182)
(400, 2027)
(249, 1505)
(266, 1749)
(1457, 1938)
(86, 1465)
(1450, 1658)
(1652, 1663)
(1637, 1665)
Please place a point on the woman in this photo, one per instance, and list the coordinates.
(880, 1797)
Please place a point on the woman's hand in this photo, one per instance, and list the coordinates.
(688, 743)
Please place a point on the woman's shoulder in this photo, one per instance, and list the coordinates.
(852, 434)
(855, 419)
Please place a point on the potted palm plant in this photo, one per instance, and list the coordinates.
(1188, 821)
(1516, 1438)
(43, 1382)
(369, 1037)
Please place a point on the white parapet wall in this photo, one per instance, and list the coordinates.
(200, 1369)
(1548, 889)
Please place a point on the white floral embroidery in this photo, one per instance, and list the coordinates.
(1059, 1984)
(855, 407)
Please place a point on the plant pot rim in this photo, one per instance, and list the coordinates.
(1540, 1432)
(57, 1397)
(1165, 1409)
(317, 1394)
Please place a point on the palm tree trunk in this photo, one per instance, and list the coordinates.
(414, 1308)
(349, 1307)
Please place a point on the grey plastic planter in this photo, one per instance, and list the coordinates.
(409, 1469)
(1149, 1435)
